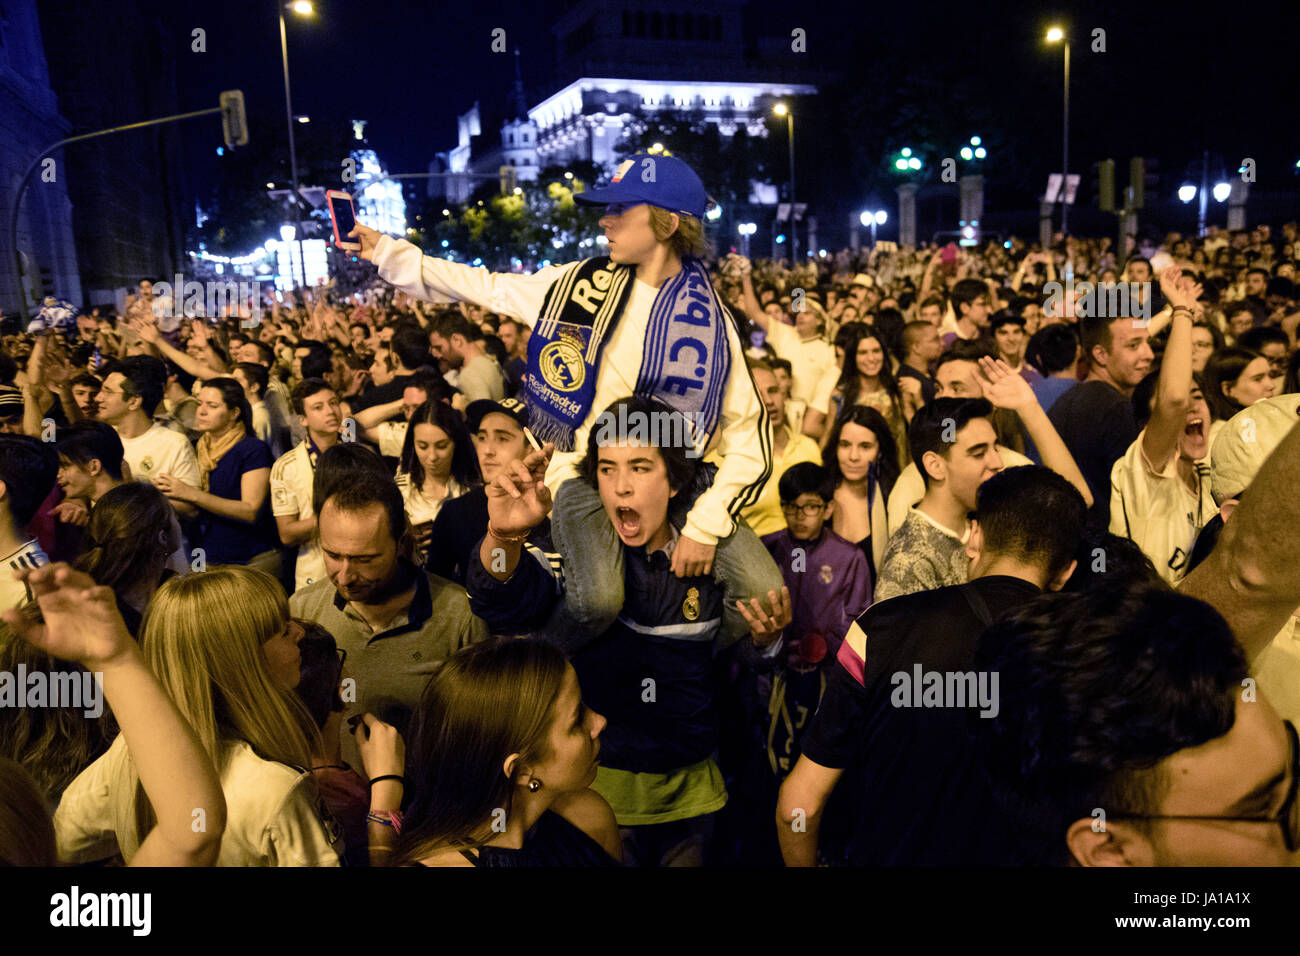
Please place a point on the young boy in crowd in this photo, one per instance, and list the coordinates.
(651, 673)
(830, 585)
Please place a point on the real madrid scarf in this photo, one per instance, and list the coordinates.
(686, 362)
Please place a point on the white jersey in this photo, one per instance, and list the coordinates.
(1157, 510)
(292, 477)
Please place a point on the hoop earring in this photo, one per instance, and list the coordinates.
(534, 785)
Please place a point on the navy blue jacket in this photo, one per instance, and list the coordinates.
(650, 674)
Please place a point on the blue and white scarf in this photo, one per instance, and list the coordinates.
(687, 358)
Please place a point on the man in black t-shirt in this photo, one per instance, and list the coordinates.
(896, 709)
(1095, 418)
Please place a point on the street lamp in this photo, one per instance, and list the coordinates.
(303, 8)
(873, 219)
(746, 229)
(780, 109)
(1057, 35)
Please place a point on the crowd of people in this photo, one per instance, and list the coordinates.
(928, 557)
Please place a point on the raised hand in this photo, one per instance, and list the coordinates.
(81, 621)
(369, 239)
(518, 499)
(1179, 290)
(145, 329)
(1003, 386)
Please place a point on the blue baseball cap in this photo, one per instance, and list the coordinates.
(662, 181)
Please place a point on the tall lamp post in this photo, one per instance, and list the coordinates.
(780, 109)
(1054, 35)
(303, 8)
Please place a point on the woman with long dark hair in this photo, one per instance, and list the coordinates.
(503, 753)
(862, 460)
(438, 462)
(866, 378)
(1235, 378)
(235, 523)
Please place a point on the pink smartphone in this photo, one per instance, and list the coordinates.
(344, 217)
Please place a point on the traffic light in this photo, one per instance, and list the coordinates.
(507, 174)
(905, 161)
(234, 124)
(1137, 181)
(1106, 185)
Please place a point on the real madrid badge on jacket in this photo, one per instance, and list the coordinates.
(691, 606)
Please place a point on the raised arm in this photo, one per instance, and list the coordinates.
(749, 301)
(149, 334)
(927, 281)
(1006, 388)
(369, 419)
(518, 501)
(437, 280)
(1174, 391)
(81, 623)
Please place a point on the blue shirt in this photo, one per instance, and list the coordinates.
(228, 540)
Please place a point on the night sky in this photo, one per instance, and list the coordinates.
(1174, 80)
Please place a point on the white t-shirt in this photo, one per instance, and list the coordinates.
(392, 435)
(274, 815)
(1157, 510)
(808, 360)
(12, 591)
(292, 476)
(481, 377)
(161, 450)
(823, 392)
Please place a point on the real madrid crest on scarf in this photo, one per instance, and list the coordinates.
(686, 360)
(691, 606)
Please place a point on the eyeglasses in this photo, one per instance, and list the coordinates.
(808, 511)
(1288, 817)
